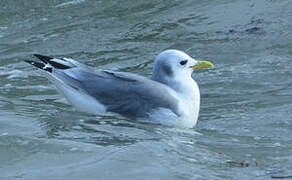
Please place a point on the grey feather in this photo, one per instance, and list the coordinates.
(128, 94)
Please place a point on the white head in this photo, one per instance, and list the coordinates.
(174, 68)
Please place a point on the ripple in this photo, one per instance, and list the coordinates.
(69, 3)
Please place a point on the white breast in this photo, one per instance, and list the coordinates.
(190, 104)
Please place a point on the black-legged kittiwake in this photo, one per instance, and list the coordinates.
(170, 96)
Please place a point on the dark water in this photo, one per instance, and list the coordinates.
(245, 125)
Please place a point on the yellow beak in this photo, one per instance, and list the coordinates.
(203, 64)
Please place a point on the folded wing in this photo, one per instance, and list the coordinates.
(125, 93)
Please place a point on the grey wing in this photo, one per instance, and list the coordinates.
(124, 93)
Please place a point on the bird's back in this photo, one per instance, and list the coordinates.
(128, 94)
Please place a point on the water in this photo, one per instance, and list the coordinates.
(245, 125)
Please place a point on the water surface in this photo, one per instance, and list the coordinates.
(245, 125)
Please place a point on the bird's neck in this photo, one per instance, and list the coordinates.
(180, 84)
(188, 90)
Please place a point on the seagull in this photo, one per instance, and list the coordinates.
(170, 97)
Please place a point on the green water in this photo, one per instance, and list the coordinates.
(245, 125)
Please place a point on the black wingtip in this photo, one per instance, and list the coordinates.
(43, 58)
(39, 65)
(48, 59)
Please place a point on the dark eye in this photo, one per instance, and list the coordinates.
(183, 62)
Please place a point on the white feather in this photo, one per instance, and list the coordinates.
(80, 100)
